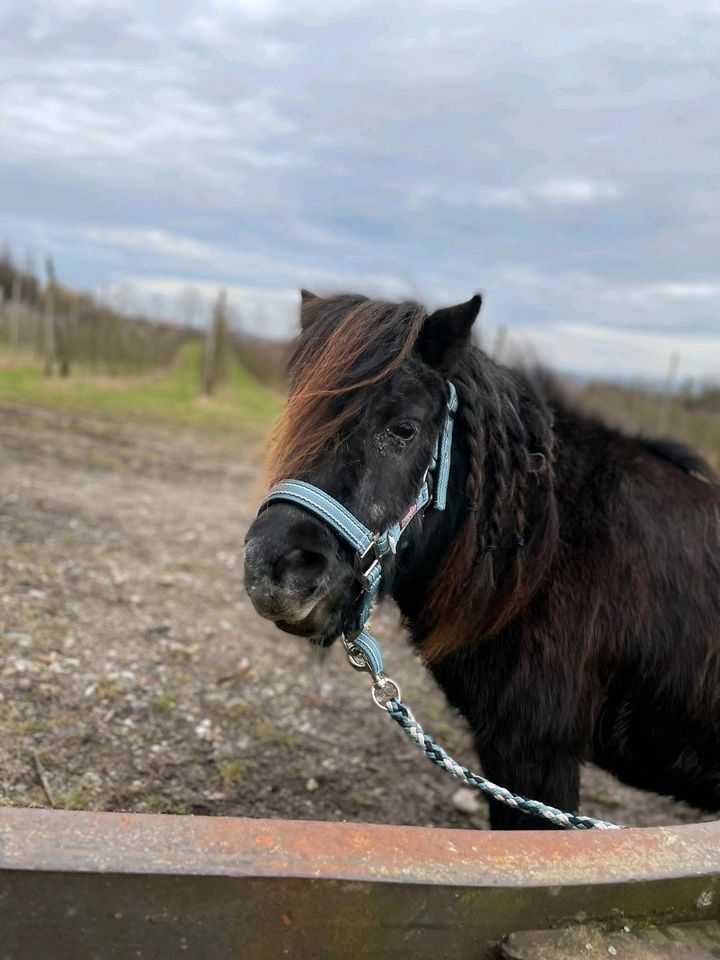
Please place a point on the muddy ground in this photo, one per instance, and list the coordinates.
(135, 676)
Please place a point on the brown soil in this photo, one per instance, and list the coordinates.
(134, 674)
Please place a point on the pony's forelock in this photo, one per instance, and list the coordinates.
(347, 343)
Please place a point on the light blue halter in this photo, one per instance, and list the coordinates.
(371, 547)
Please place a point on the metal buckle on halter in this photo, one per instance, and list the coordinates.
(361, 573)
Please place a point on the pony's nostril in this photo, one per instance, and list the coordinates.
(301, 567)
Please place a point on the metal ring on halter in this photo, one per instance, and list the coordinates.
(380, 692)
(356, 658)
(357, 661)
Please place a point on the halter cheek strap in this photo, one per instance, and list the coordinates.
(371, 547)
(445, 450)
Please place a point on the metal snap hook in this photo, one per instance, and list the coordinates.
(384, 690)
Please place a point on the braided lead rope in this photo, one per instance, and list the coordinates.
(364, 654)
(568, 821)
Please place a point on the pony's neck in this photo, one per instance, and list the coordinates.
(469, 570)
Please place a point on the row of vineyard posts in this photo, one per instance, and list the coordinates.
(63, 329)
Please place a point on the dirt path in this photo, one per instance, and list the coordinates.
(135, 676)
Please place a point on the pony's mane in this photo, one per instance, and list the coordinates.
(347, 342)
(503, 549)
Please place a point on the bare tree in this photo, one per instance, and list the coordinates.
(66, 331)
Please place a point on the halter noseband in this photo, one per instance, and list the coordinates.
(371, 547)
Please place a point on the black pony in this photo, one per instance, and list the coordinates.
(567, 600)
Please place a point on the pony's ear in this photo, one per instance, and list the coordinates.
(446, 333)
(307, 300)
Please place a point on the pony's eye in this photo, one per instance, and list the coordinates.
(404, 431)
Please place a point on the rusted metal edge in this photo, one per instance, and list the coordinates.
(79, 886)
(150, 844)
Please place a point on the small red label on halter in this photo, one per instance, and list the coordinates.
(408, 516)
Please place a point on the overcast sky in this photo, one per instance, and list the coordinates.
(561, 157)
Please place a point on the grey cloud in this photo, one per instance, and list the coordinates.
(562, 157)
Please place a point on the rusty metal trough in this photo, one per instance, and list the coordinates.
(108, 885)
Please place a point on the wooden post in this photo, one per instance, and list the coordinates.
(49, 344)
(15, 308)
(65, 329)
(214, 358)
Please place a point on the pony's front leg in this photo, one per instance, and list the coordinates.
(536, 772)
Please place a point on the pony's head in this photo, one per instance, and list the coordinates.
(368, 397)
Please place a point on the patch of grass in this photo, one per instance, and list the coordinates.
(101, 461)
(362, 801)
(165, 703)
(107, 690)
(75, 800)
(238, 709)
(269, 733)
(169, 398)
(28, 727)
(231, 772)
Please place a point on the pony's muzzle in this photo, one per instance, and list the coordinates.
(286, 567)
